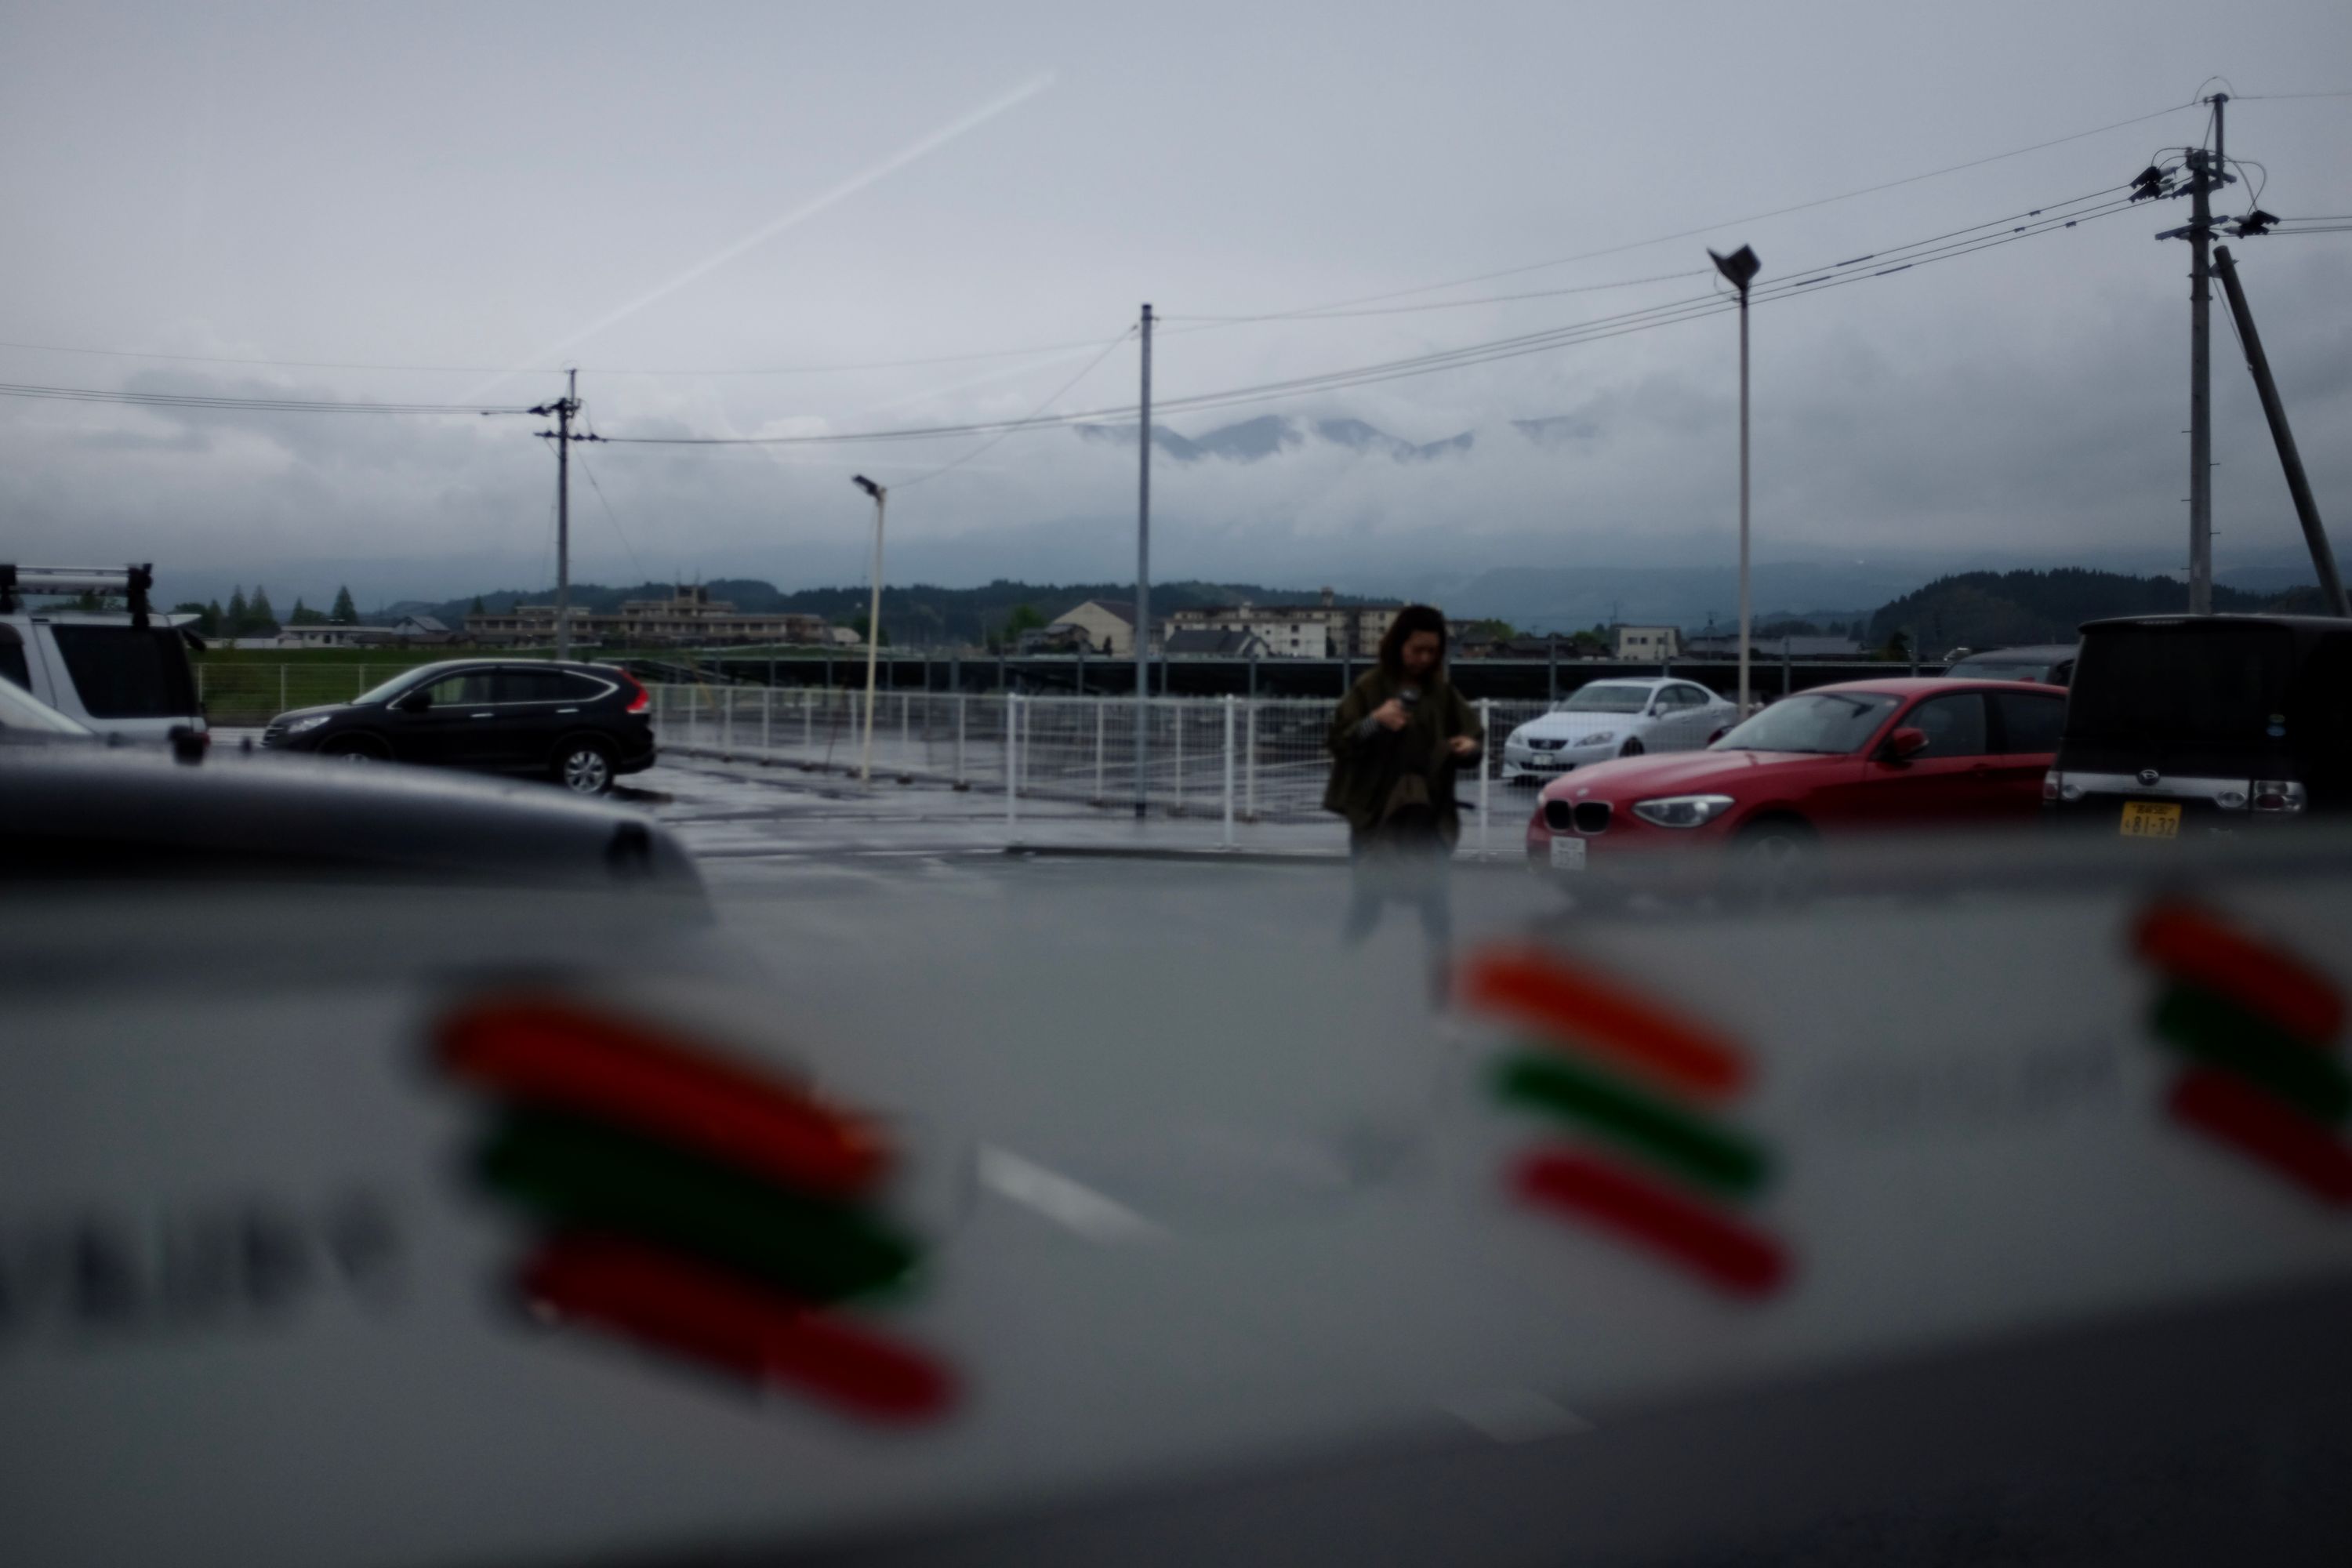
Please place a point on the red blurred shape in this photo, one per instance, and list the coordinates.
(1610, 1020)
(763, 1336)
(2191, 944)
(2289, 1142)
(1727, 1255)
(552, 1052)
(642, 700)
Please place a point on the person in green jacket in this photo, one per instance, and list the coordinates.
(1395, 741)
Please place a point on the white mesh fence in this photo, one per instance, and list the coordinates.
(1265, 761)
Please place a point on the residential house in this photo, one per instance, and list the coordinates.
(1106, 625)
(1289, 630)
(1199, 642)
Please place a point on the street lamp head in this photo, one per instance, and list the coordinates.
(869, 486)
(1740, 266)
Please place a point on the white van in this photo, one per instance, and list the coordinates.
(121, 672)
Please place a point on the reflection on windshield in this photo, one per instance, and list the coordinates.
(1828, 723)
(392, 688)
(1607, 698)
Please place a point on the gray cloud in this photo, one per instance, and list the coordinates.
(384, 188)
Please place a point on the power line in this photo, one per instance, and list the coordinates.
(250, 404)
(1894, 259)
(643, 576)
(1333, 315)
(2281, 97)
(1035, 412)
(1334, 308)
(1730, 223)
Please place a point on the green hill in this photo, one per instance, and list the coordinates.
(2001, 609)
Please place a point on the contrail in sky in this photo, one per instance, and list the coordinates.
(799, 215)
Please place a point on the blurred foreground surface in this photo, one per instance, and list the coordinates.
(1222, 1246)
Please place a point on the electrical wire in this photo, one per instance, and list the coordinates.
(1898, 259)
(247, 404)
(1334, 308)
(1035, 412)
(1333, 315)
(643, 576)
(1727, 223)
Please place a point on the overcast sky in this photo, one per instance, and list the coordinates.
(713, 191)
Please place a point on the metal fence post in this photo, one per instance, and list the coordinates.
(1011, 758)
(727, 725)
(363, 686)
(1249, 769)
(1176, 719)
(200, 683)
(808, 718)
(1485, 753)
(960, 782)
(282, 704)
(1101, 704)
(767, 710)
(906, 707)
(1229, 770)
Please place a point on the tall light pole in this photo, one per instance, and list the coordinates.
(873, 632)
(1143, 584)
(1740, 266)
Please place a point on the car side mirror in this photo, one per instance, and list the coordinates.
(1905, 744)
(415, 703)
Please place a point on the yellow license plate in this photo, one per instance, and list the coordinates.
(2150, 819)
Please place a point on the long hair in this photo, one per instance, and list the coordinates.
(1409, 620)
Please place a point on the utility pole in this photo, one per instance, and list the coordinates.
(563, 408)
(2205, 177)
(2206, 172)
(2298, 484)
(1143, 579)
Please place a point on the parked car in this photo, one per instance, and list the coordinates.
(2050, 664)
(2184, 725)
(76, 806)
(1614, 719)
(1836, 760)
(581, 725)
(119, 673)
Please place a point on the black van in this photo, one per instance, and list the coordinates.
(2185, 724)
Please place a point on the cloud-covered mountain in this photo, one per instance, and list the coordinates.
(1272, 435)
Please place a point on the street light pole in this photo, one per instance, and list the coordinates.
(873, 632)
(1741, 267)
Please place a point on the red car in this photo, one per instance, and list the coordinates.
(1819, 764)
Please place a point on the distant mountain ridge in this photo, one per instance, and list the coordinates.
(1993, 609)
(914, 615)
(1271, 435)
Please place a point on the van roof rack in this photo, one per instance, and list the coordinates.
(133, 583)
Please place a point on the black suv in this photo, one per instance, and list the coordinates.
(581, 724)
(2182, 724)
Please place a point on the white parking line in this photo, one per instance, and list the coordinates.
(1068, 1203)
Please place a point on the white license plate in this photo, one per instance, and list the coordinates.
(1566, 853)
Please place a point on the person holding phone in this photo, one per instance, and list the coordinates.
(1396, 741)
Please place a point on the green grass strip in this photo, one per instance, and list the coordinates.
(2221, 1033)
(1714, 1156)
(590, 1175)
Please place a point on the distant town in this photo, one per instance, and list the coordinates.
(1204, 620)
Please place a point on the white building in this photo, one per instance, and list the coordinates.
(1647, 644)
(1290, 630)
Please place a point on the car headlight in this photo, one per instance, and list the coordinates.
(1682, 810)
(312, 722)
(1602, 739)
